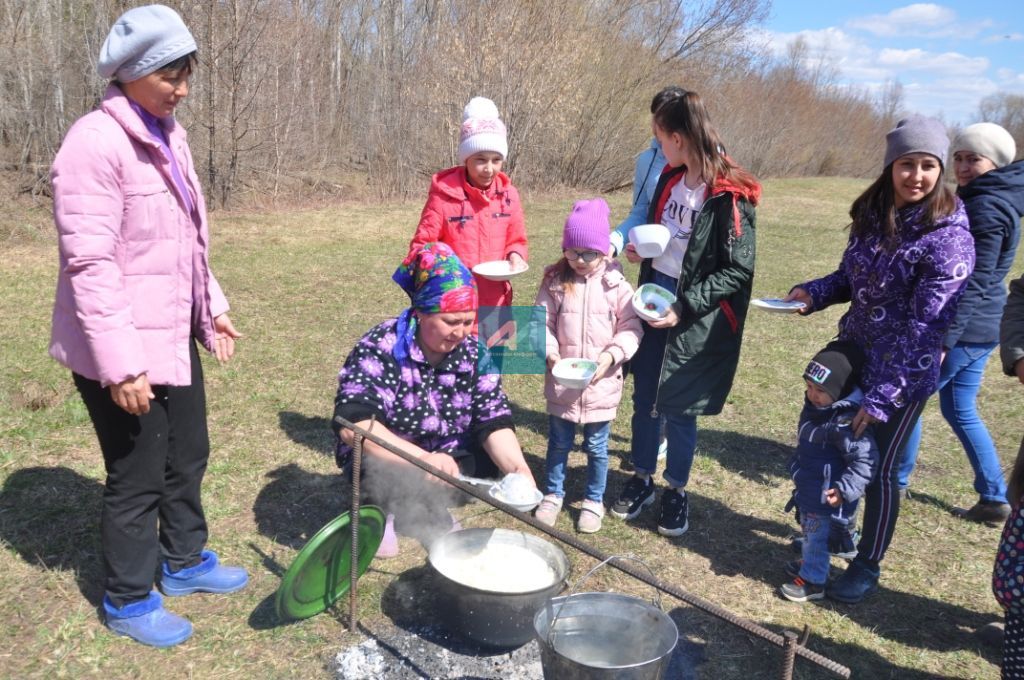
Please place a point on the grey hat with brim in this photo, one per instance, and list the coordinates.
(141, 41)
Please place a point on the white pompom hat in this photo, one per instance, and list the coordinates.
(482, 129)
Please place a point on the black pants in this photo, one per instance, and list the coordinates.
(881, 498)
(155, 465)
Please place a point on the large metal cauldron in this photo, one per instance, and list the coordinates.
(488, 617)
(604, 636)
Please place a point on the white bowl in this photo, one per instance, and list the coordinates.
(650, 240)
(524, 506)
(652, 302)
(498, 270)
(574, 373)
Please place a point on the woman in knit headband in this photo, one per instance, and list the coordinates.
(416, 382)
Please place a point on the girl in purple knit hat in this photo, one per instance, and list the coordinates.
(908, 258)
(589, 311)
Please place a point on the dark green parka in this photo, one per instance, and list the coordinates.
(703, 349)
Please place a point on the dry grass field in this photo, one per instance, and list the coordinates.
(303, 287)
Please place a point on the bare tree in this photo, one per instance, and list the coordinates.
(300, 97)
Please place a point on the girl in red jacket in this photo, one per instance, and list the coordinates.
(473, 207)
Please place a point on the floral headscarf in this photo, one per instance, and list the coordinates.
(436, 281)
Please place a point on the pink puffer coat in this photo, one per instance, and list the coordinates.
(597, 317)
(134, 282)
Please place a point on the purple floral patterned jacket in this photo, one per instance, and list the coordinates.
(441, 409)
(902, 300)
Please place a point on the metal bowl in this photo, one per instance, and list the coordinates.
(489, 617)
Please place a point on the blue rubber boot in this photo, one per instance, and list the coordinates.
(147, 621)
(209, 576)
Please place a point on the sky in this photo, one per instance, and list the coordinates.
(947, 55)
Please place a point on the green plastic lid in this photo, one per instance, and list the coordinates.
(321, 572)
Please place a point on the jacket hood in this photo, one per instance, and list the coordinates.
(1006, 183)
(751, 193)
(850, 401)
(454, 183)
(610, 273)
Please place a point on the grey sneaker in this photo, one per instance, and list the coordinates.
(799, 590)
(591, 514)
(547, 511)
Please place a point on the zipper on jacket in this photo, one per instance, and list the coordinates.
(583, 341)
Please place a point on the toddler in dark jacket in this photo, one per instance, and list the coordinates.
(831, 468)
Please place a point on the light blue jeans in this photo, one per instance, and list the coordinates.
(959, 382)
(816, 562)
(561, 437)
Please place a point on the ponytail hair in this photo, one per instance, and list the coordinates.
(686, 115)
(874, 211)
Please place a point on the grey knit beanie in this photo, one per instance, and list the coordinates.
(917, 134)
(141, 41)
(989, 140)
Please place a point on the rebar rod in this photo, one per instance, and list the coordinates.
(789, 651)
(621, 565)
(357, 469)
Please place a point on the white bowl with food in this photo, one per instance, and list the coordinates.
(498, 270)
(652, 302)
(575, 374)
(650, 240)
(523, 504)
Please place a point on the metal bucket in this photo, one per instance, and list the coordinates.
(604, 636)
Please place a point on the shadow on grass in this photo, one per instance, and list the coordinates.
(757, 459)
(736, 544)
(928, 499)
(296, 503)
(51, 517)
(313, 432)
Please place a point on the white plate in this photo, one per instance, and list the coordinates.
(495, 493)
(498, 270)
(777, 305)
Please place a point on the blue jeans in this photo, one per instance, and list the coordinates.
(680, 429)
(816, 529)
(959, 382)
(561, 436)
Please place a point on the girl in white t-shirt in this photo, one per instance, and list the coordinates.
(687, 359)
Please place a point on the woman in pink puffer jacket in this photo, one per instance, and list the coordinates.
(134, 296)
(590, 315)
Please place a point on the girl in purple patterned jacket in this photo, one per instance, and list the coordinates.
(908, 257)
